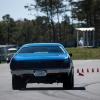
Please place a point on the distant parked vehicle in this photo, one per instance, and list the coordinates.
(11, 52)
(0, 59)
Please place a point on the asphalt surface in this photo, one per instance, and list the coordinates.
(86, 87)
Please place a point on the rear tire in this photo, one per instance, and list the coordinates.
(68, 82)
(8, 61)
(23, 83)
(16, 82)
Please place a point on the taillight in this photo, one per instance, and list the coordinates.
(61, 63)
(20, 64)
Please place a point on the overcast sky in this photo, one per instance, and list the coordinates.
(15, 8)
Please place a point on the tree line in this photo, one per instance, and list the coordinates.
(86, 13)
(30, 31)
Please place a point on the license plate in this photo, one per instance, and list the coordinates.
(40, 73)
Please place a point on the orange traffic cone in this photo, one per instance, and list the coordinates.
(82, 70)
(87, 70)
(77, 70)
(92, 70)
(80, 74)
(97, 69)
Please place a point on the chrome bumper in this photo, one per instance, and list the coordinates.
(22, 72)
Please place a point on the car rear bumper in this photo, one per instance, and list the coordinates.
(52, 71)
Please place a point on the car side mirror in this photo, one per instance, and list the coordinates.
(70, 54)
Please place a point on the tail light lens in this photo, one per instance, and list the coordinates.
(20, 64)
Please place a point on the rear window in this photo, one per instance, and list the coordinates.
(12, 51)
(41, 49)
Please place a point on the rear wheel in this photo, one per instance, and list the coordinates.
(8, 61)
(23, 83)
(18, 83)
(68, 82)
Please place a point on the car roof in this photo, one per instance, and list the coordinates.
(12, 49)
(43, 44)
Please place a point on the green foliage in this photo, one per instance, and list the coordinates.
(88, 13)
(50, 8)
(44, 28)
(30, 31)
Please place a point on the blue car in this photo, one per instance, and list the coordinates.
(42, 63)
